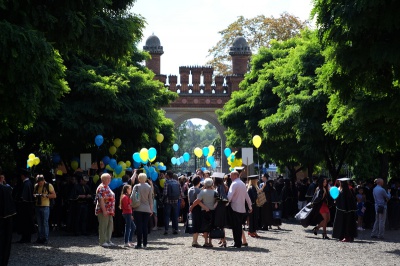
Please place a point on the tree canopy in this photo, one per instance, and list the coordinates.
(70, 71)
(258, 31)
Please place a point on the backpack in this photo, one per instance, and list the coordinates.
(173, 190)
(46, 188)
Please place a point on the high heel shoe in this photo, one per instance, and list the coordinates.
(325, 237)
(223, 244)
(315, 230)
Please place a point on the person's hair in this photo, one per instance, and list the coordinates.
(320, 183)
(124, 192)
(196, 180)
(170, 174)
(252, 183)
(208, 182)
(218, 181)
(104, 176)
(142, 177)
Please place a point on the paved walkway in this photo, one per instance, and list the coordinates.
(293, 245)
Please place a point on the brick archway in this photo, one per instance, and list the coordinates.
(179, 115)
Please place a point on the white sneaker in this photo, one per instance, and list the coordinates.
(105, 245)
(111, 244)
(127, 245)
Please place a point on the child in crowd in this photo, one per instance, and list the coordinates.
(125, 206)
(360, 207)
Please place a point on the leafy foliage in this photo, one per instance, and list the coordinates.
(258, 31)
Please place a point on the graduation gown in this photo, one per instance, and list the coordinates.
(345, 225)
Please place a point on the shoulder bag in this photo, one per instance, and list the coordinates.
(261, 199)
(135, 199)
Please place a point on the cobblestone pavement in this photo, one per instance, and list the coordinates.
(293, 245)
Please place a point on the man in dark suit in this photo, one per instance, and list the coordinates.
(25, 208)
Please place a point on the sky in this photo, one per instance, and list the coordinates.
(187, 29)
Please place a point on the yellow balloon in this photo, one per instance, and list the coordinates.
(257, 141)
(128, 164)
(117, 142)
(74, 165)
(112, 150)
(96, 178)
(30, 162)
(162, 164)
(123, 164)
(152, 159)
(36, 161)
(144, 154)
(160, 137)
(198, 152)
(208, 164)
(162, 181)
(211, 150)
(108, 167)
(32, 156)
(59, 172)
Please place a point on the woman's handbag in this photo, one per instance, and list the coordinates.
(189, 224)
(261, 199)
(135, 199)
(217, 233)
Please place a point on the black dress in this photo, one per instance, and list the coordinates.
(254, 215)
(345, 225)
(220, 219)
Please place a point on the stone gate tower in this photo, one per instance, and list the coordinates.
(200, 100)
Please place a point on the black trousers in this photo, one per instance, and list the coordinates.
(6, 226)
(237, 220)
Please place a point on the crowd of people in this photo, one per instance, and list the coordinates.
(210, 202)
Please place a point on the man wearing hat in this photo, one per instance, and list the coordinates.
(25, 208)
(238, 197)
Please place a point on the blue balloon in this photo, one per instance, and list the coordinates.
(163, 168)
(214, 165)
(106, 160)
(206, 150)
(227, 152)
(56, 158)
(334, 191)
(173, 160)
(118, 169)
(99, 140)
(152, 169)
(181, 160)
(152, 153)
(136, 165)
(178, 162)
(144, 162)
(136, 157)
(115, 182)
(175, 147)
(186, 156)
(154, 176)
(203, 169)
(113, 163)
(210, 159)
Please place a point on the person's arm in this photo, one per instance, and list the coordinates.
(248, 200)
(52, 194)
(150, 199)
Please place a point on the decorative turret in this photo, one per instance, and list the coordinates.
(153, 46)
(240, 53)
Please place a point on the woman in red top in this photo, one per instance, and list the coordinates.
(322, 191)
(125, 206)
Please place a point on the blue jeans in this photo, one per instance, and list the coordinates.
(130, 227)
(142, 227)
(168, 209)
(379, 225)
(42, 219)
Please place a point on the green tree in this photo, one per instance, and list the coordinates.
(362, 71)
(110, 92)
(258, 31)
